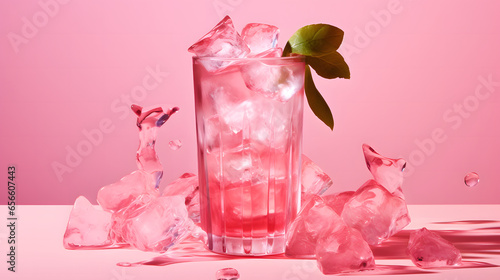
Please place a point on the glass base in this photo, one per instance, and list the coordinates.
(247, 246)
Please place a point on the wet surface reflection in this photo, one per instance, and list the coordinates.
(476, 245)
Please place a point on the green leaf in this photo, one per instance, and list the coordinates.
(319, 44)
(316, 40)
(316, 101)
(329, 66)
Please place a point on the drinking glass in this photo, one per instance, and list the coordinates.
(249, 131)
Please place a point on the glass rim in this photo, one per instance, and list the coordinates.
(296, 58)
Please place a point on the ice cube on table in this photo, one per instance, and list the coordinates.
(187, 186)
(275, 81)
(375, 212)
(88, 226)
(386, 171)
(222, 41)
(343, 250)
(313, 179)
(260, 37)
(154, 223)
(125, 213)
(314, 218)
(338, 200)
(118, 195)
(427, 250)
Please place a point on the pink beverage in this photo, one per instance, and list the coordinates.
(249, 128)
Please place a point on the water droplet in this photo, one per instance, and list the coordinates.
(227, 274)
(471, 179)
(175, 144)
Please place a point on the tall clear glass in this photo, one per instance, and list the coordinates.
(249, 131)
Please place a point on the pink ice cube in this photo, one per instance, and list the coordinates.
(222, 41)
(427, 249)
(154, 224)
(386, 171)
(193, 206)
(343, 250)
(119, 217)
(314, 179)
(338, 200)
(276, 81)
(260, 37)
(118, 195)
(88, 226)
(240, 165)
(148, 122)
(314, 219)
(186, 186)
(270, 53)
(375, 212)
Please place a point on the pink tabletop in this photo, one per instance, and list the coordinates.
(474, 229)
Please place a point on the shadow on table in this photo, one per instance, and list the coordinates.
(474, 244)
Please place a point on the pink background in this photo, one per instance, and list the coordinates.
(414, 64)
